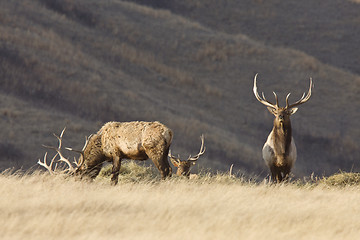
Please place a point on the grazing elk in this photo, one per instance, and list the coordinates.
(120, 140)
(279, 151)
(183, 166)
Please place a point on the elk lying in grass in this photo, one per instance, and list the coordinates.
(116, 141)
(183, 166)
(279, 151)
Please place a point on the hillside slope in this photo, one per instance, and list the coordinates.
(326, 30)
(80, 64)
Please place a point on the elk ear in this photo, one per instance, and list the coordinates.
(272, 110)
(174, 162)
(293, 110)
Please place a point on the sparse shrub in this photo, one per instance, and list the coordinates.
(342, 179)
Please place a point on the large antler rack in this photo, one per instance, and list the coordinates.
(263, 100)
(53, 166)
(191, 158)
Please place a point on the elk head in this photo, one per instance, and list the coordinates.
(53, 167)
(183, 166)
(282, 114)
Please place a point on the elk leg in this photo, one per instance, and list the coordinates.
(158, 156)
(166, 163)
(286, 173)
(164, 171)
(279, 177)
(275, 174)
(162, 165)
(115, 170)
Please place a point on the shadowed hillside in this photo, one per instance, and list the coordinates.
(82, 63)
(326, 30)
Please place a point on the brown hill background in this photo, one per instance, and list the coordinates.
(189, 65)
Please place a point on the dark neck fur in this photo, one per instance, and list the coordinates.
(282, 138)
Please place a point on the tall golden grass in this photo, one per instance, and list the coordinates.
(40, 206)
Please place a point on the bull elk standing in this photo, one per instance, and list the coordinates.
(279, 151)
(183, 166)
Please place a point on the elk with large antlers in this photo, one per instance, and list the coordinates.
(116, 141)
(183, 166)
(279, 151)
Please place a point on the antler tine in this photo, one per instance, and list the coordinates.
(65, 160)
(201, 152)
(287, 99)
(177, 159)
(276, 99)
(87, 139)
(78, 164)
(62, 158)
(50, 166)
(302, 100)
(263, 99)
(79, 151)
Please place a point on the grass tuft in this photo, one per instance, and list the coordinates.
(342, 179)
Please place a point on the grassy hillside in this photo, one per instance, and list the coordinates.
(82, 63)
(328, 31)
(40, 206)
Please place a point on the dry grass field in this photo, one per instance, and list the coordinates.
(217, 206)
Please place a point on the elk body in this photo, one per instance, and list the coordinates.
(279, 151)
(127, 140)
(122, 140)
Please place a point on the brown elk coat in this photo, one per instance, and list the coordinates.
(127, 140)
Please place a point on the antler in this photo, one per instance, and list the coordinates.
(184, 166)
(263, 99)
(195, 158)
(176, 159)
(48, 167)
(78, 164)
(201, 152)
(71, 169)
(302, 100)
